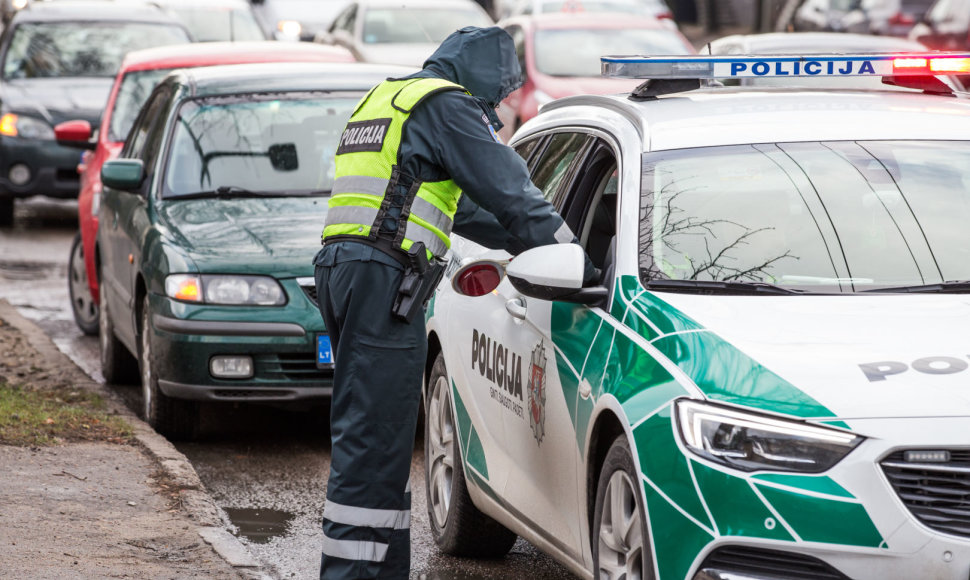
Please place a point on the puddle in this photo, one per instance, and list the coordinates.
(259, 525)
(23, 270)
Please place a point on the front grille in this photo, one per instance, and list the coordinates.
(761, 563)
(290, 367)
(938, 494)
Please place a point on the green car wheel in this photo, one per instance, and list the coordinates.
(174, 418)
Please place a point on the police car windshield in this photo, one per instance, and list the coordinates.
(821, 217)
(268, 144)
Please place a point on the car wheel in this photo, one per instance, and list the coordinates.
(174, 418)
(6, 211)
(82, 304)
(117, 364)
(457, 526)
(621, 542)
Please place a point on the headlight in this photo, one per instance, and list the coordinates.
(235, 290)
(13, 125)
(749, 441)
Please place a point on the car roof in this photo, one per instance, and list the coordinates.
(91, 10)
(585, 20)
(809, 42)
(196, 54)
(282, 77)
(743, 115)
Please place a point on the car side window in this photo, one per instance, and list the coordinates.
(135, 143)
(557, 163)
(590, 202)
(153, 141)
(526, 148)
(346, 19)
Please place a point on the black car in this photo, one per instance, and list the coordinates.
(57, 63)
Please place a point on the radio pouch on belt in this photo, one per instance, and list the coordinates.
(420, 279)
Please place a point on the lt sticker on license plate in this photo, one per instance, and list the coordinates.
(324, 352)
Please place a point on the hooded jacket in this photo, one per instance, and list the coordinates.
(453, 135)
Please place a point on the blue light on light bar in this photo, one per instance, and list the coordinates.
(714, 67)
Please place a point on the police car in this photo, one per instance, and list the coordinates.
(772, 380)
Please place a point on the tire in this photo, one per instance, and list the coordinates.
(118, 366)
(82, 303)
(6, 211)
(457, 526)
(621, 540)
(175, 418)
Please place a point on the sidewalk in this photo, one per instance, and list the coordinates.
(101, 509)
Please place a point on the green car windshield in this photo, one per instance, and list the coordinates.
(271, 144)
(830, 217)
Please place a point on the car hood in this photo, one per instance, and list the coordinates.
(273, 236)
(558, 87)
(856, 356)
(57, 99)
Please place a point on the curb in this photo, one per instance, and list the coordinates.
(195, 500)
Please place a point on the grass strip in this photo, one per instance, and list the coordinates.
(30, 417)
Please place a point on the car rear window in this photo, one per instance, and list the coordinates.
(822, 216)
(81, 49)
(266, 143)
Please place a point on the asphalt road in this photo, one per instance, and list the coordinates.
(265, 466)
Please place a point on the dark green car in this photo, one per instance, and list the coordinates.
(210, 219)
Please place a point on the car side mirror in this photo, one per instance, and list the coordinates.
(553, 272)
(123, 174)
(75, 134)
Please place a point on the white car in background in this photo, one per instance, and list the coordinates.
(770, 380)
(402, 32)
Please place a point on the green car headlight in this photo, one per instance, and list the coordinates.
(751, 442)
(225, 289)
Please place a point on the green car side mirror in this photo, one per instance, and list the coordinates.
(123, 174)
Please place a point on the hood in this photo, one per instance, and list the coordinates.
(857, 356)
(404, 54)
(482, 60)
(274, 236)
(57, 99)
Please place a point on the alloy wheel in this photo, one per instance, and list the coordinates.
(621, 542)
(441, 451)
(85, 309)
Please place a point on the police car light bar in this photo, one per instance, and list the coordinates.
(722, 67)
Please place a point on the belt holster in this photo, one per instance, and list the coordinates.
(418, 283)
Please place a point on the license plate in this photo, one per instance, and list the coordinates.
(324, 352)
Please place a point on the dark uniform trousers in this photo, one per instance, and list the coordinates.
(379, 363)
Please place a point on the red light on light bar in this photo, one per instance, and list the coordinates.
(950, 65)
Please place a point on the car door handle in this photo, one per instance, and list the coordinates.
(516, 307)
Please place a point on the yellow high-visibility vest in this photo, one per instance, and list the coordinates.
(366, 171)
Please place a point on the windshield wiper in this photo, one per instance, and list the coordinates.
(947, 287)
(231, 191)
(718, 287)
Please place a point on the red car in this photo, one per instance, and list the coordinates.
(560, 56)
(139, 73)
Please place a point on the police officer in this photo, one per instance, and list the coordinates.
(418, 158)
